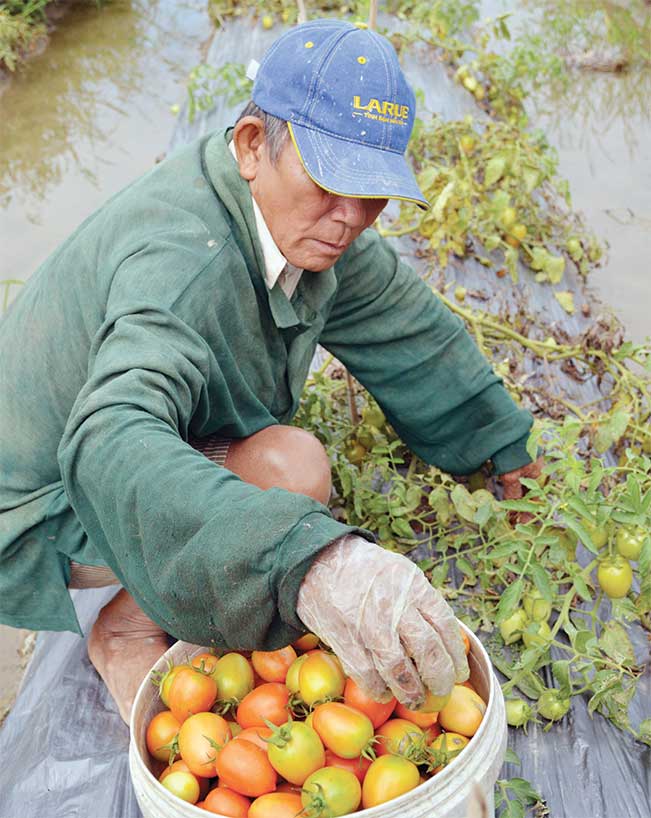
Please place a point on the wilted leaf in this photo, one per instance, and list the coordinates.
(615, 643)
(463, 503)
(495, 168)
(566, 300)
(612, 430)
(554, 266)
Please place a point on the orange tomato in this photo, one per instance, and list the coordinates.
(181, 766)
(416, 716)
(201, 739)
(191, 692)
(320, 678)
(166, 683)
(161, 732)
(276, 805)
(269, 701)
(396, 736)
(446, 747)
(205, 661)
(464, 712)
(245, 768)
(223, 801)
(307, 642)
(272, 665)
(388, 777)
(357, 766)
(377, 712)
(342, 729)
(256, 735)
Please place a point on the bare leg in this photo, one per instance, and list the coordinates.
(124, 643)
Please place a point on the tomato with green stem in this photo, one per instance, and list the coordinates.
(331, 791)
(234, 676)
(615, 576)
(552, 705)
(192, 691)
(320, 678)
(201, 739)
(160, 737)
(295, 751)
(512, 628)
(518, 713)
(537, 608)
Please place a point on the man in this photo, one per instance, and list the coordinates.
(151, 366)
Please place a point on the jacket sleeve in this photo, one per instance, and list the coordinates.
(210, 558)
(416, 358)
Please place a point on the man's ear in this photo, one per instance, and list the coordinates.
(248, 137)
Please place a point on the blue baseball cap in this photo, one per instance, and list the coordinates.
(350, 112)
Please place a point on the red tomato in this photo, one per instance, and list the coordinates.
(342, 729)
(256, 735)
(161, 732)
(191, 692)
(269, 701)
(166, 682)
(201, 739)
(387, 778)
(320, 678)
(245, 768)
(397, 737)
(205, 661)
(222, 801)
(181, 766)
(377, 712)
(272, 666)
(357, 766)
(416, 716)
(276, 805)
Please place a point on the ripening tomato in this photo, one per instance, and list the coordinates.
(377, 712)
(201, 738)
(446, 747)
(269, 701)
(291, 680)
(223, 801)
(387, 778)
(256, 735)
(342, 729)
(166, 682)
(191, 692)
(416, 716)
(464, 712)
(205, 661)
(615, 576)
(276, 805)
(295, 751)
(245, 768)
(320, 678)
(331, 791)
(160, 735)
(183, 785)
(357, 766)
(272, 665)
(397, 737)
(181, 766)
(234, 676)
(307, 642)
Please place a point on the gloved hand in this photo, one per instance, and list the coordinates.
(391, 630)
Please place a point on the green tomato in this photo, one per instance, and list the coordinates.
(598, 534)
(538, 634)
(630, 541)
(615, 576)
(518, 712)
(553, 706)
(373, 416)
(536, 606)
(183, 785)
(512, 628)
(295, 751)
(331, 791)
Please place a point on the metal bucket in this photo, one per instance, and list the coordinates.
(445, 795)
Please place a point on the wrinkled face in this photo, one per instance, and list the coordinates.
(311, 227)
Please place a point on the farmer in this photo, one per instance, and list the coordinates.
(151, 367)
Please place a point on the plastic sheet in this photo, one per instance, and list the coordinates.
(64, 744)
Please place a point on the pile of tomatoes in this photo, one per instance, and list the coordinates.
(272, 734)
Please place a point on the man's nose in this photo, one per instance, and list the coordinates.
(351, 211)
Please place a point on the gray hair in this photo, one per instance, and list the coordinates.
(276, 131)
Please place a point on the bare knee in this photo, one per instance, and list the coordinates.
(283, 457)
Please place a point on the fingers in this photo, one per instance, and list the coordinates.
(440, 616)
(358, 663)
(423, 643)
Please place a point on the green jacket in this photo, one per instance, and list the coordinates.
(153, 322)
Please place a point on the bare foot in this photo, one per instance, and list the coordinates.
(123, 645)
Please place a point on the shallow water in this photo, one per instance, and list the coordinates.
(88, 116)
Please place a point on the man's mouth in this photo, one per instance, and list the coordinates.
(332, 249)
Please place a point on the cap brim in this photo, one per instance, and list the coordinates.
(349, 168)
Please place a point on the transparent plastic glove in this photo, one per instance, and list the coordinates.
(393, 632)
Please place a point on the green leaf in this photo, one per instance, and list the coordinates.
(644, 731)
(581, 642)
(611, 431)
(495, 168)
(509, 600)
(566, 299)
(615, 643)
(402, 528)
(581, 587)
(466, 568)
(511, 757)
(542, 581)
(531, 177)
(561, 671)
(581, 532)
(463, 503)
(439, 501)
(555, 267)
